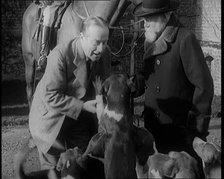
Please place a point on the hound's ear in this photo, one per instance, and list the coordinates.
(105, 88)
(198, 141)
(169, 169)
(198, 146)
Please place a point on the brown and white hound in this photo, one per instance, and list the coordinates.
(171, 165)
(210, 154)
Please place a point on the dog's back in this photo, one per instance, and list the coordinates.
(117, 120)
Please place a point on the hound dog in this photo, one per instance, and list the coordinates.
(210, 154)
(119, 143)
(171, 165)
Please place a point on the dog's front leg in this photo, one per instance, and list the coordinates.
(99, 107)
(99, 97)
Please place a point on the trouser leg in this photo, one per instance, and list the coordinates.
(50, 159)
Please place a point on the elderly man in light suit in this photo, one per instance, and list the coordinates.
(62, 113)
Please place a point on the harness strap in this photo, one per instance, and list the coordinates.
(75, 12)
(87, 13)
(80, 16)
(37, 31)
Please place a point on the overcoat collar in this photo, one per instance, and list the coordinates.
(168, 35)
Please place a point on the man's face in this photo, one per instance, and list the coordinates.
(154, 26)
(95, 41)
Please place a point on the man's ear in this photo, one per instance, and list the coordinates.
(146, 23)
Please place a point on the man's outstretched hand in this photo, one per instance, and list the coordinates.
(90, 106)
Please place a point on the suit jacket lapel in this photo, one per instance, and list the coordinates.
(80, 71)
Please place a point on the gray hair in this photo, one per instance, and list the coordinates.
(93, 21)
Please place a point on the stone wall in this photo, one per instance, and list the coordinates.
(201, 16)
(204, 18)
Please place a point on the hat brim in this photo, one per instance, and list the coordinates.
(139, 11)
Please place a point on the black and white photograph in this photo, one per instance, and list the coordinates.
(111, 89)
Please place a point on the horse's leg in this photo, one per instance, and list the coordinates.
(29, 25)
(30, 76)
(30, 68)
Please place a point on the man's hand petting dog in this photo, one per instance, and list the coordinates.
(96, 105)
(90, 106)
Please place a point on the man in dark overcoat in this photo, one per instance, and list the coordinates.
(177, 82)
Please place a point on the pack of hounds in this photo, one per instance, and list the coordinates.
(127, 151)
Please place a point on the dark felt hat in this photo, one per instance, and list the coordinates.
(150, 7)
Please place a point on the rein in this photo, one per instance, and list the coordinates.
(133, 48)
(122, 30)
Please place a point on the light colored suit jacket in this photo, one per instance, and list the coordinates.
(59, 92)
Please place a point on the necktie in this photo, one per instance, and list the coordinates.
(88, 67)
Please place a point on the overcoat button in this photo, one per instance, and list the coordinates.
(157, 114)
(157, 89)
(158, 62)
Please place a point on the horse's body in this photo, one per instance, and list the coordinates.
(70, 28)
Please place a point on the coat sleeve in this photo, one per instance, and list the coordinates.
(199, 75)
(55, 84)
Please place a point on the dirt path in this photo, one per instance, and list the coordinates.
(14, 137)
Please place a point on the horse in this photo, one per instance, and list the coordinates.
(76, 12)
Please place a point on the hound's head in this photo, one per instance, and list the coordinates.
(208, 152)
(116, 92)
